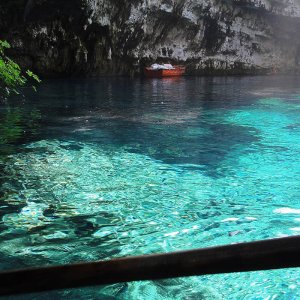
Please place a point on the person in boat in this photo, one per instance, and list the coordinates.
(162, 67)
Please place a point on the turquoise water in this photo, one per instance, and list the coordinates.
(125, 167)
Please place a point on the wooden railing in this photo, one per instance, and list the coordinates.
(243, 257)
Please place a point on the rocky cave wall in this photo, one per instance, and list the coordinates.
(108, 37)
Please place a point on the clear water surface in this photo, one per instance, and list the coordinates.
(123, 167)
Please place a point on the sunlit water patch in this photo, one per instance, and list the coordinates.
(166, 166)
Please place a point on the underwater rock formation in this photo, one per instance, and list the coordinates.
(109, 37)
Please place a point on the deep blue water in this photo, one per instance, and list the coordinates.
(119, 167)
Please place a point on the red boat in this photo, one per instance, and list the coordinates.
(158, 73)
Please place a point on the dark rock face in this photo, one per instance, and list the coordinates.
(109, 37)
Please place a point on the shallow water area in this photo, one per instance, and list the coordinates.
(122, 167)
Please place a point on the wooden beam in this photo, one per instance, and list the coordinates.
(260, 255)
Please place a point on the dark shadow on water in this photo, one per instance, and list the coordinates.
(178, 121)
(17, 125)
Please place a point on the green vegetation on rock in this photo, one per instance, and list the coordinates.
(15, 122)
(11, 75)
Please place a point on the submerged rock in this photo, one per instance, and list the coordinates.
(120, 37)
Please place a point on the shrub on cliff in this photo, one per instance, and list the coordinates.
(12, 78)
(15, 122)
